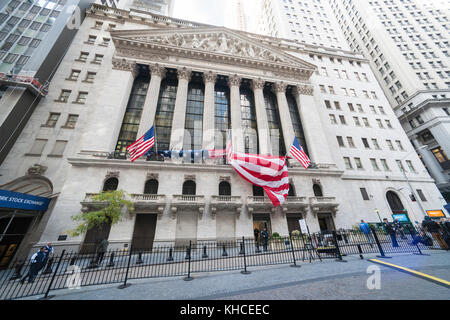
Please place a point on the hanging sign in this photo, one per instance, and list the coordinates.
(16, 200)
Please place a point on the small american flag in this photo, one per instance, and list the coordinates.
(298, 153)
(141, 146)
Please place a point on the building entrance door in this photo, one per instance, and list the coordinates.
(326, 222)
(261, 221)
(11, 240)
(144, 232)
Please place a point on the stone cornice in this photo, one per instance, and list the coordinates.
(158, 166)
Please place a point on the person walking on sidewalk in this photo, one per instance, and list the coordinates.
(103, 247)
(364, 227)
(433, 228)
(390, 231)
(37, 262)
(264, 238)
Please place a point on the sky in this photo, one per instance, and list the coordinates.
(202, 11)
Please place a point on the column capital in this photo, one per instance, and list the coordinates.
(157, 70)
(234, 80)
(304, 89)
(258, 84)
(280, 86)
(125, 65)
(184, 74)
(209, 77)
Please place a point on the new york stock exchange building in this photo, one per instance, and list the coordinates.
(128, 70)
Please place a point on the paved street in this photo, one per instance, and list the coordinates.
(319, 280)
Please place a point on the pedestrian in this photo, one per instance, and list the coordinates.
(364, 227)
(256, 233)
(103, 247)
(432, 227)
(48, 258)
(398, 227)
(37, 262)
(264, 237)
(422, 238)
(390, 231)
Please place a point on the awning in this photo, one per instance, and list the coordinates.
(22, 201)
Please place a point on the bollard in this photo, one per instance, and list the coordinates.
(242, 248)
(48, 269)
(224, 253)
(378, 244)
(111, 260)
(295, 265)
(338, 251)
(245, 271)
(17, 271)
(125, 284)
(170, 257)
(188, 252)
(189, 278)
(360, 251)
(139, 259)
(204, 253)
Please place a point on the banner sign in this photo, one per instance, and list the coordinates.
(303, 226)
(402, 217)
(435, 213)
(16, 200)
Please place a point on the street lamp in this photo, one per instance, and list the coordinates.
(409, 184)
(378, 213)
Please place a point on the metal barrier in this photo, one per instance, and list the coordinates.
(86, 268)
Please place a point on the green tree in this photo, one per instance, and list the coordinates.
(110, 204)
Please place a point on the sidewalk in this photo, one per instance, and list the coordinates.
(317, 280)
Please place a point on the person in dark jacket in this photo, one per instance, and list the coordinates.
(256, 233)
(102, 248)
(390, 231)
(399, 228)
(264, 238)
(433, 228)
(37, 262)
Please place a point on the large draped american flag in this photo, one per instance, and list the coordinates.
(268, 172)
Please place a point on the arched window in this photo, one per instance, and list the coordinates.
(291, 192)
(394, 201)
(151, 187)
(111, 184)
(224, 189)
(258, 191)
(317, 190)
(189, 187)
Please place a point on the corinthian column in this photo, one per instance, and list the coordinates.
(312, 125)
(430, 161)
(157, 72)
(236, 120)
(285, 115)
(261, 117)
(208, 110)
(179, 113)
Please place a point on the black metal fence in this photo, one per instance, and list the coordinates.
(75, 269)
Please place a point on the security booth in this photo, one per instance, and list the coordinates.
(19, 214)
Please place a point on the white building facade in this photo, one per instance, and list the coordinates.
(195, 82)
(407, 43)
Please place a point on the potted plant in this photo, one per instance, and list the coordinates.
(296, 238)
(276, 242)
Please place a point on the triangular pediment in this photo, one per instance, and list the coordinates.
(212, 40)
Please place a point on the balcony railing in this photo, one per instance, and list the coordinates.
(226, 203)
(323, 204)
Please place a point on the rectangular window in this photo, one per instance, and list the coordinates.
(64, 96)
(342, 119)
(52, 119)
(380, 124)
(421, 195)
(71, 121)
(74, 74)
(98, 58)
(24, 41)
(356, 120)
(374, 163)
(376, 145)
(328, 104)
(332, 119)
(364, 194)
(365, 143)
(58, 148)
(90, 76)
(348, 164)
(410, 166)
(22, 60)
(340, 141)
(83, 56)
(38, 146)
(388, 124)
(366, 122)
(91, 39)
(35, 43)
(350, 107)
(385, 165)
(399, 144)
(81, 97)
(350, 142)
(358, 163)
(337, 105)
(400, 165)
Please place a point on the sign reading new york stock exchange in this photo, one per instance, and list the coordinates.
(16, 200)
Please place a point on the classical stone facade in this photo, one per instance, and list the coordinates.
(162, 71)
